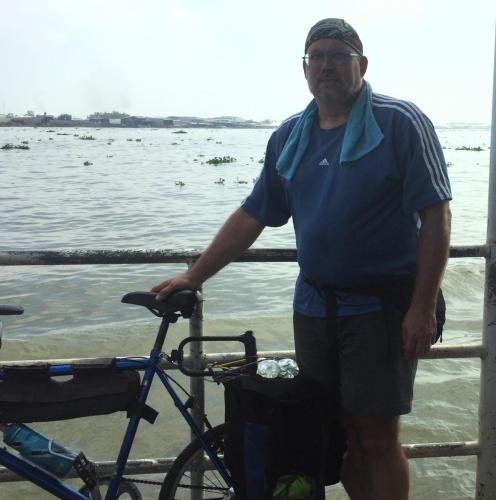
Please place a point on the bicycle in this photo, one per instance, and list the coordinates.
(198, 470)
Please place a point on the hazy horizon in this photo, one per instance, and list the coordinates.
(221, 58)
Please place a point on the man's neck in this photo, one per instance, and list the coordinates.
(332, 118)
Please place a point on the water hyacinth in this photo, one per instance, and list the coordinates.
(217, 160)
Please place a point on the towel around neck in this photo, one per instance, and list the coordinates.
(362, 134)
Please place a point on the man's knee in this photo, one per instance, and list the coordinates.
(375, 437)
(379, 446)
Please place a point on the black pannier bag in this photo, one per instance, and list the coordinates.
(29, 394)
(279, 428)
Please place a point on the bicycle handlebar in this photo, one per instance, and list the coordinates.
(247, 339)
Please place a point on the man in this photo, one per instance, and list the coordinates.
(364, 179)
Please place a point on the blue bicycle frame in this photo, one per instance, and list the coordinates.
(151, 367)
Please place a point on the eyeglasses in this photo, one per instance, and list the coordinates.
(337, 57)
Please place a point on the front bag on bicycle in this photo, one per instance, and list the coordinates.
(28, 393)
(282, 435)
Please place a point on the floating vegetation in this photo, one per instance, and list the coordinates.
(138, 140)
(110, 156)
(218, 142)
(240, 181)
(217, 160)
(468, 148)
(50, 130)
(62, 133)
(201, 156)
(210, 139)
(174, 144)
(180, 183)
(449, 164)
(24, 142)
(87, 163)
(87, 138)
(129, 140)
(75, 135)
(179, 132)
(9, 146)
(261, 160)
(220, 180)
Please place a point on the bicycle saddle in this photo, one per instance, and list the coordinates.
(8, 310)
(182, 302)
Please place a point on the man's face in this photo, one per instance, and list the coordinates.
(332, 79)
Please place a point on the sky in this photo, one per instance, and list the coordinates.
(241, 58)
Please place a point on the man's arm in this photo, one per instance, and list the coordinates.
(419, 325)
(234, 237)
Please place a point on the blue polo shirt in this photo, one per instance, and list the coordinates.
(357, 224)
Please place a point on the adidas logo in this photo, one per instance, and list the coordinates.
(324, 163)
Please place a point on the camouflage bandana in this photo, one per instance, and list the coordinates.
(335, 28)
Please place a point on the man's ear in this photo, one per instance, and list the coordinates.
(305, 67)
(364, 62)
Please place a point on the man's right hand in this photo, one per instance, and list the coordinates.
(180, 282)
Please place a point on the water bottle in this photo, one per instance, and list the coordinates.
(287, 368)
(268, 368)
(39, 450)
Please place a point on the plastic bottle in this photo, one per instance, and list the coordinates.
(268, 368)
(288, 368)
(39, 450)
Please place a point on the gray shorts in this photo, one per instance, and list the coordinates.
(373, 375)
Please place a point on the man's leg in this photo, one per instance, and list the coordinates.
(376, 383)
(354, 475)
(375, 466)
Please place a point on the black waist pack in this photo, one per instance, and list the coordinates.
(29, 394)
(279, 428)
(394, 293)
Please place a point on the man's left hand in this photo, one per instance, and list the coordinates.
(419, 331)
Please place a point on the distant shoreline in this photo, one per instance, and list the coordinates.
(124, 121)
(206, 126)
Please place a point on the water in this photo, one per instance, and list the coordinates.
(131, 196)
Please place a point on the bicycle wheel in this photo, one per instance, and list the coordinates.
(207, 483)
(126, 490)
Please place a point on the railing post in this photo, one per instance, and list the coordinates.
(197, 384)
(197, 388)
(486, 463)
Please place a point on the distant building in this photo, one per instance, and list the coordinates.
(43, 119)
(144, 122)
(4, 119)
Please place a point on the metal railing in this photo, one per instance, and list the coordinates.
(161, 465)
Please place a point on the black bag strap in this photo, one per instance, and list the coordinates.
(143, 411)
(94, 364)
